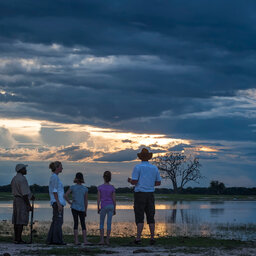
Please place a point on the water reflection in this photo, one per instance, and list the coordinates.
(180, 213)
(217, 212)
(169, 212)
(217, 202)
(173, 218)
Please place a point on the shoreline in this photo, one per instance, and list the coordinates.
(6, 196)
(167, 249)
(124, 246)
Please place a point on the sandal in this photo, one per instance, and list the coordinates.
(152, 241)
(20, 242)
(137, 242)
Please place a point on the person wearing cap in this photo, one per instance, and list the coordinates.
(145, 177)
(56, 192)
(78, 205)
(21, 203)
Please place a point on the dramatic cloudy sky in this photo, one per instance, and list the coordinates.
(92, 82)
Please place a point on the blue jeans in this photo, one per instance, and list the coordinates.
(55, 232)
(109, 211)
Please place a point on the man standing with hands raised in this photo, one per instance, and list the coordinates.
(145, 177)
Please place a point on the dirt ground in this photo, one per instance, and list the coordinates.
(7, 249)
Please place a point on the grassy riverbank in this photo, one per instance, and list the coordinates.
(5, 196)
(124, 246)
(163, 241)
(167, 246)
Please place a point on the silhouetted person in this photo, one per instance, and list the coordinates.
(106, 202)
(56, 192)
(145, 177)
(21, 203)
(78, 205)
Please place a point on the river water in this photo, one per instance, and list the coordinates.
(226, 219)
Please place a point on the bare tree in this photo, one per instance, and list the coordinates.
(179, 168)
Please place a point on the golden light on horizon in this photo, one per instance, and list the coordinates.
(97, 140)
(139, 139)
(27, 127)
(114, 138)
(208, 149)
(205, 206)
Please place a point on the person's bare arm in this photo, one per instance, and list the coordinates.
(157, 183)
(98, 201)
(114, 201)
(25, 197)
(66, 196)
(60, 207)
(133, 182)
(85, 203)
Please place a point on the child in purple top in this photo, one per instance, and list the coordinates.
(106, 202)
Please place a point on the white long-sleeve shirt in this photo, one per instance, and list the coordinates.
(55, 185)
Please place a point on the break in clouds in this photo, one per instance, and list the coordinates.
(181, 69)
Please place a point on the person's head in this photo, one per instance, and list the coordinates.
(107, 176)
(79, 178)
(56, 167)
(21, 168)
(145, 155)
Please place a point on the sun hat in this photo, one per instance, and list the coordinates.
(79, 177)
(145, 155)
(20, 166)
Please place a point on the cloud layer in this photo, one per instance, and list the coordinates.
(182, 69)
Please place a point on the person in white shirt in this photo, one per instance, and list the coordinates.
(145, 177)
(56, 192)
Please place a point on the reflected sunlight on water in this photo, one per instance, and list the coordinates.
(6, 205)
(205, 206)
(127, 229)
(228, 219)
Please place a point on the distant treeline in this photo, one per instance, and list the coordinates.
(197, 190)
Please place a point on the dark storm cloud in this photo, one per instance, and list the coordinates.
(13, 155)
(179, 147)
(120, 156)
(138, 25)
(144, 66)
(218, 128)
(49, 156)
(125, 155)
(68, 149)
(205, 157)
(127, 141)
(74, 153)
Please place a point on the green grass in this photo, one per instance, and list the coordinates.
(187, 245)
(168, 242)
(193, 197)
(4, 196)
(250, 227)
(66, 251)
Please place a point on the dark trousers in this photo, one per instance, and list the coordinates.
(144, 202)
(18, 232)
(81, 215)
(55, 232)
